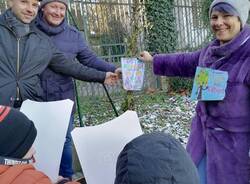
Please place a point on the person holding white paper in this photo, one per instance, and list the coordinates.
(220, 133)
(17, 135)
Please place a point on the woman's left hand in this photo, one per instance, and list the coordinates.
(145, 56)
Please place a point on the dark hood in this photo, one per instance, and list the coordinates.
(155, 158)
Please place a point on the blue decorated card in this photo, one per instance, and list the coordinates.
(209, 84)
(132, 73)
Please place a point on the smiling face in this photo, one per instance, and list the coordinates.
(54, 13)
(224, 26)
(24, 10)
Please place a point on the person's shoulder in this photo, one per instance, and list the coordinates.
(72, 29)
(210, 44)
(246, 39)
(73, 33)
(37, 176)
(38, 31)
(23, 173)
(43, 36)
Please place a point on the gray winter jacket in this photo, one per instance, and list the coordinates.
(23, 59)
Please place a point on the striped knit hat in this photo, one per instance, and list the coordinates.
(17, 133)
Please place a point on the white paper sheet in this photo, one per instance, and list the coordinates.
(51, 120)
(98, 147)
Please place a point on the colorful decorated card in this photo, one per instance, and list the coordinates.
(209, 84)
(132, 73)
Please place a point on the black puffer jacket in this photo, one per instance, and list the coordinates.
(155, 158)
(23, 59)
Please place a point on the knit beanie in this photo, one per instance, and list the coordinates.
(17, 133)
(44, 2)
(226, 8)
(155, 158)
(242, 8)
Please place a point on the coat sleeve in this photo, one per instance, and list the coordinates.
(179, 64)
(88, 58)
(59, 63)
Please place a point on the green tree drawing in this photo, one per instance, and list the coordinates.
(202, 82)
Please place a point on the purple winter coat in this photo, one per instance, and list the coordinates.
(69, 41)
(220, 129)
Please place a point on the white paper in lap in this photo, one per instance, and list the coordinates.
(98, 147)
(51, 120)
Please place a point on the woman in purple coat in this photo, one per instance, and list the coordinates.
(220, 132)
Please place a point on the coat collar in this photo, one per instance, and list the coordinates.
(230, 47)
(217, 54)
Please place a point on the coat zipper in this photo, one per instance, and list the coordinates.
(18, 69)
(18, 96)
(18, 65)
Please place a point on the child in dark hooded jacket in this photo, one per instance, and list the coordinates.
(155, 158)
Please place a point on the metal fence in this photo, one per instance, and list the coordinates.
(105, 24)
(192, 33)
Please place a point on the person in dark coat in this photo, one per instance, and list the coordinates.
(219, 142)
(25, 52)
(155, 158)
(52, 21)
